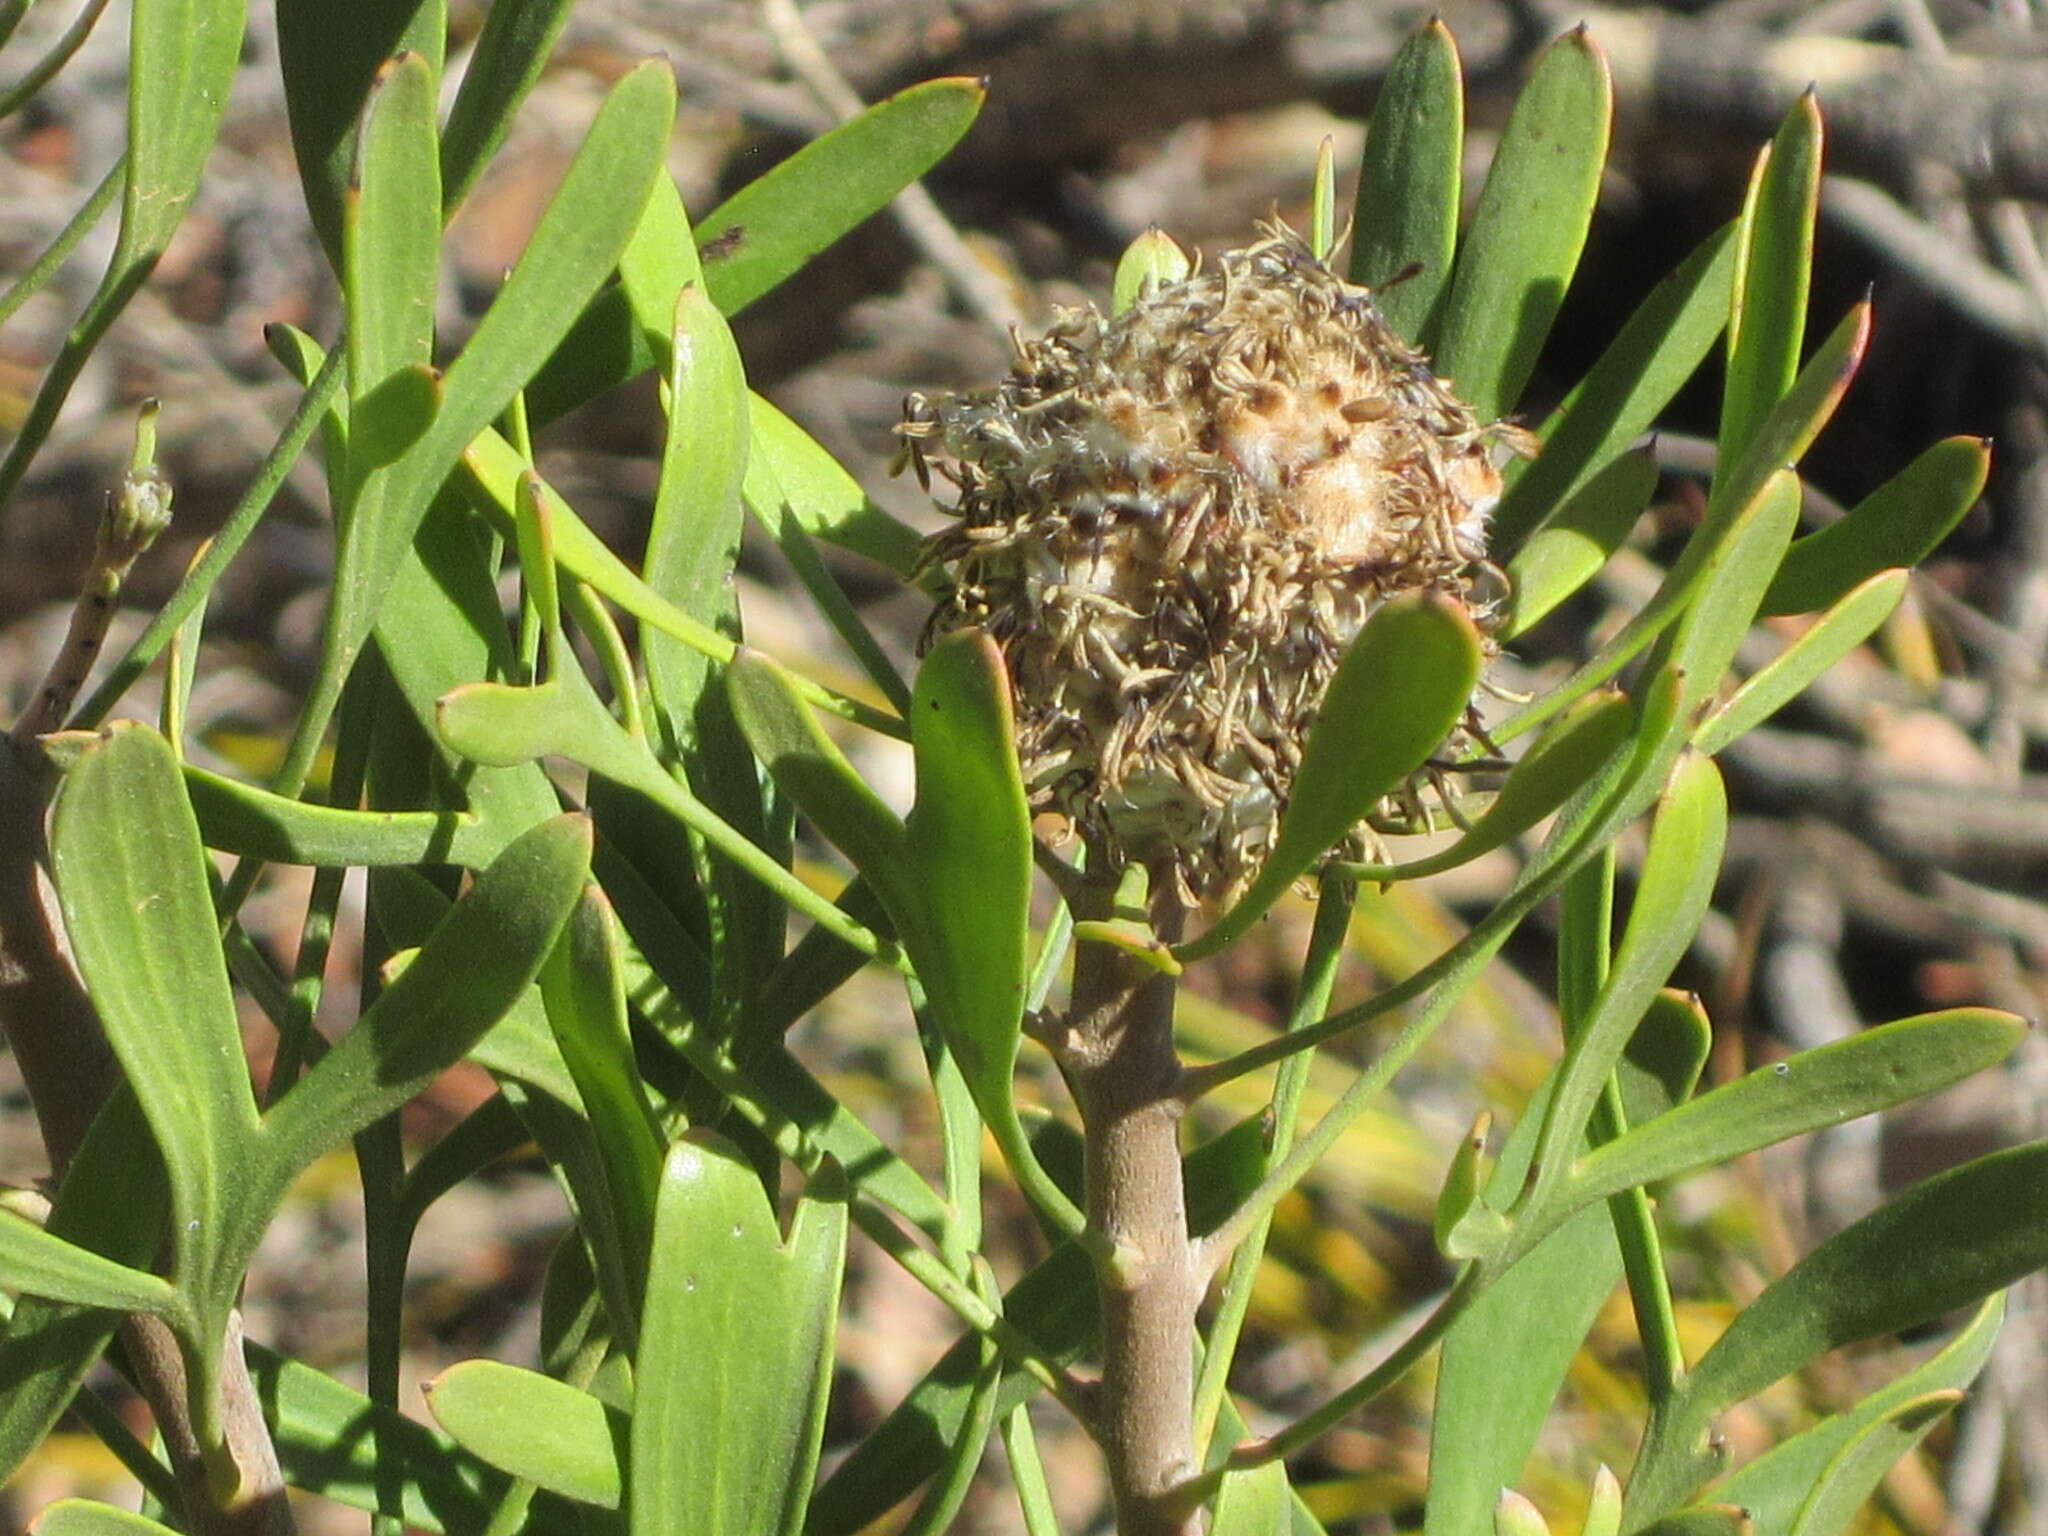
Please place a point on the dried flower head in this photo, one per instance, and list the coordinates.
(1173, 522)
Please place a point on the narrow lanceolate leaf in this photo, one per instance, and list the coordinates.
(1408, 181)
(1795, 421)
(392, 227)
(1659, 349)
(1704, 643)
(1672, 894)
(1825, 1086)
(735, 1349)
(182, 55)
(584, 989)
(1852, 1477)
(1726, 549)
(812, 771)
(1576, 540)
(333, 1441)
(82, 1517)
(1399, 691)
(504, 63)
(969, 846)
(1561, 763)
(658, 263)
(1774, 263)
(1898, 524)
(239, 818)
(575, 245)
(826, 501)
(476, 964)
(132, 878)
(693, 544)
(1834, 635)
(38, 1263)
(532, 1426)
(769, 228)
(1518, 257)
(113, 1200)
(328, 56)
(1987, 1219)
(1777, 1483)
(1538, 1313)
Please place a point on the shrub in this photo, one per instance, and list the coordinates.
(1246, 552)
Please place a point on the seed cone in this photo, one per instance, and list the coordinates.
(1173, 522)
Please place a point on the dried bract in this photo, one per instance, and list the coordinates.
(1174, 521)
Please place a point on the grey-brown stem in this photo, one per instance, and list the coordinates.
(1119, 1056)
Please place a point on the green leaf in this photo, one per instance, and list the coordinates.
(1574, 543)
(735, 1349)
(329, 56)
(132, 877)
(956, 880)
(948, 1491)
(1821, 1087)
(788, 464)
(771, 227)
(333, 1441)
(494, 724)
(182, 56)
(504, 62)
(1408, 181)
(1706, 638)
(1898, 524)
(1400, 690)
(239, 818)
(1673, 891)
(1852, 1477)
(658, 263)
(1538, 1313)
(475, 966)
(1734, 543)
(1988, 1222)
(1660, 348)
(1557, 766)
(1152, 261)
(495, 468)
(693, 546)
(1255, 1503)
(968, 847)
(694, 535)
(584, 988)
(812, 771)
(1705, 1520)
(392, 227)
(1774, 264)
(37, 1263)
(1838, 632)
(1777, 1482)
(82, 1517)
(575, 245)
(1519, 254)
(534, 1427)
(113, 1201)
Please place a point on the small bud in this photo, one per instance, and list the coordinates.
(1516, 1516)
(1603, 1510)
